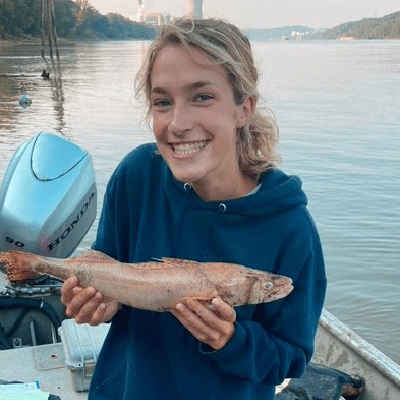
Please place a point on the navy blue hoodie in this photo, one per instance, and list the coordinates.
(148, 214)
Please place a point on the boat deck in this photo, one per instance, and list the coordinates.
(336, 347)
(40, 363)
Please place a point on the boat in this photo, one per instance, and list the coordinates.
(337, 346)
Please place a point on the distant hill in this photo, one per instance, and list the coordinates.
(387, 27)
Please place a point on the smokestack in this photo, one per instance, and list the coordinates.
(194, 9)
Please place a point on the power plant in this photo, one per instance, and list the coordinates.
(193, 9)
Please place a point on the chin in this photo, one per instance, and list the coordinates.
(184, 177)
(186, 172)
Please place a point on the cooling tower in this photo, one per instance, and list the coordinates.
(194, 9)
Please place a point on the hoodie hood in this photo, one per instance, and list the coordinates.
(278, 192)
(202, 224)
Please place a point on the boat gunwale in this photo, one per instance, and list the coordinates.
(369, 353)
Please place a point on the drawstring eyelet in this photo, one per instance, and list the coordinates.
(187, 186)
(222, 207)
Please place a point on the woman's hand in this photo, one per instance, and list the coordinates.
(86, 304)
(213, 326)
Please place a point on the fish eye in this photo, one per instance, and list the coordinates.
(268, 285)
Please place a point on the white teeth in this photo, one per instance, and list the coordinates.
(187, 149)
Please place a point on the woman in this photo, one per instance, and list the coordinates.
(208, 191)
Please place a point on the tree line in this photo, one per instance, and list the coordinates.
(387, 27)
(19, 18)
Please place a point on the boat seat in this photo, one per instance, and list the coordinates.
(322, 383)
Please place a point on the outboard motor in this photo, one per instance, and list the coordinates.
(48, 202)
(48, 199)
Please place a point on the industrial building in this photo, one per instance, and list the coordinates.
(193, 9)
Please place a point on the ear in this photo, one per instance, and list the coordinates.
(246, 111)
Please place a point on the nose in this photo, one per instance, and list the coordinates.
(181, 121)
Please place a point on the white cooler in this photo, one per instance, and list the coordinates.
(82, 344)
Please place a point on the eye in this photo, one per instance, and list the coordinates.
(161, 103)
(268, 285)
(202, 97)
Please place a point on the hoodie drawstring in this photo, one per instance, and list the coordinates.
(187, 188)
(221, 209)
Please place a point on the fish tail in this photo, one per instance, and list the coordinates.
(18, 266)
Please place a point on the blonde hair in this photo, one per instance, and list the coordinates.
(225, 45)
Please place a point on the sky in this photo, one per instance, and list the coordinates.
(265, 13)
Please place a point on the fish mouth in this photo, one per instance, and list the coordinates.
(280, 293)
(282, 287)
(284, 291)
(185, 149)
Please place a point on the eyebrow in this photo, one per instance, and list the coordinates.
(189, 87)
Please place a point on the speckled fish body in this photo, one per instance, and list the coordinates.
(155, 286)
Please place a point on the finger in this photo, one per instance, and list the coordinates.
(193, 322)
(80, 297)
(88, 308)
(99, 315)
(105, 312)
(220, 321)
(204, 313)
(67, 289)
(206, 324)
(220, 317)
(216, 337)
(224, 310)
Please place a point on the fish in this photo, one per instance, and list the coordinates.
(157, 285)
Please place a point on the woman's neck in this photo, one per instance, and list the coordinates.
(227, 191)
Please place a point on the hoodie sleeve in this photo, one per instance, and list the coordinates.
(277, 341)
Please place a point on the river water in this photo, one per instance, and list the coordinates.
(338, 108)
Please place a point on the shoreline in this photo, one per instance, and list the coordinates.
(13, 42)
(31, 41)
(37, 41)
(20, 41)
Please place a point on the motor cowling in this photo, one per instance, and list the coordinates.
(48, 198)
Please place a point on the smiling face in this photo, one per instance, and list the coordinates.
(195, 120)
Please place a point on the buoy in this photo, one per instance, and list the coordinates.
(25, 100)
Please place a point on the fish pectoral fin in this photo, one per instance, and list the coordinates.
(203, 300)
(94, 256)
(206, 301)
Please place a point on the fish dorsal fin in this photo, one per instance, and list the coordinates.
(94, 256)
(177, 261)
(169, 262)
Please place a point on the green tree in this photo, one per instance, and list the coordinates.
(65, 11)
(73, 20)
